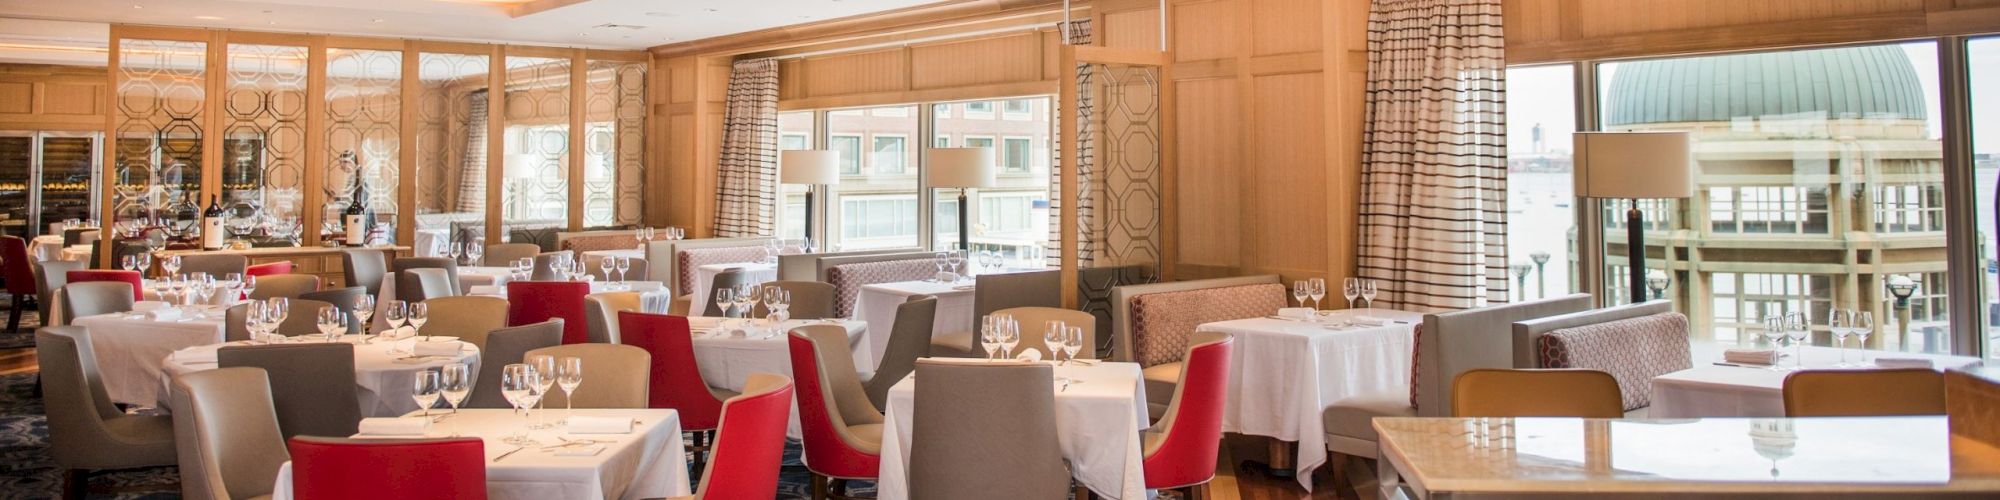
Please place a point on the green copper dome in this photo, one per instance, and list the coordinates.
(1852, 82)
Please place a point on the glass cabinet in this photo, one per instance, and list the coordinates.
(46, 177)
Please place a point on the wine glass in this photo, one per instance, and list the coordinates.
(771, 296)
(1774, 334)
(331, 323)
(279, 309)
(1864, 325)
(426, 389)
(456, 379)
(144, 261)
(364, 308)
(253, 320)
(989, 335)
(607, 265)
(746, 298)
(937, 260)
(417, 314)
(1368, 291)
(725, 299)
(545, 379)
(172, 264)
(784, 304)
(517, 384)
(569, 375)
(624, 265)
(396, 313)
(1350, 288)
(1798, 328)
(558, 267)
(1052, 337)
(457, 251)
(1300, 290)
(1837, 322)
(954, 259)
(473, 252)
(1072, 342)
(233, 283)
(1010, 337)
(128, 262)
(1317, 288)
(249, 285)
(641, 235)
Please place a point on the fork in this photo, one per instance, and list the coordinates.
(516, 449)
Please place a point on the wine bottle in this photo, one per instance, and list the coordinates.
(211, 225)
(356, 217)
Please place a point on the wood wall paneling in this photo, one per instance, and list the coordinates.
(1206, 30)
(999, 59)
(1209, 178)
(1284, 26)
(872, 71)
(1287, 174)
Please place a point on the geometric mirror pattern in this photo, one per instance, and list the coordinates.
(451, 139)
(161, 94)
(364, 103)
(1125, 187)
(534, 201)
(264, 131)
(614, 144)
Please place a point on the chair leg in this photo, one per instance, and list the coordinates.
(1198, 492)
(14, 316)
(1080, 493)
(76, 483)
(818, 486)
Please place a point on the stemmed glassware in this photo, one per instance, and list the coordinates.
(771, 296)
(517, 384)
(233, 284)
(278, 309)
(395, 313)
(1774, 334)
(955, 259)
(364, 308)
(1053, 334)
(128, 262)
(569, 375)
(938, 260)
(249, 285)
(1797, 328)
(428, 387)
(725, 299)
(417, 314)
(1368, 292)
(331, 323)
(1350, 288)
(545, 379)
(624, 265)
(746, 298)
(1864, 324)
(989, 335)
(1301, 290)
(1838, 322)
(642, 234)
(1072, 342)
(474, 251)
(607, 265)
(784, 305)
(558, 266)
(457, 252)
(1317, 288)
(1009, 337)
(456, 379)
(172, 264)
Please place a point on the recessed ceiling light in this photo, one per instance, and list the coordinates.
(208, 18)
(711, 9)
(137, 6)
(273, 23)
(378, 19)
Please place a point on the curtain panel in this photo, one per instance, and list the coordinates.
(1433, 218)
(472, 188)
(746, 180)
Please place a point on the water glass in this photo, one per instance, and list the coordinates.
(395, 313)
(1368, 291)
(456, 379)
(1072, 342)
(364, 309)
(624, 265)
(417, 314)
(249, 285)
(332, 323)
(569, 375)
(1864, 324)
(725, 299)
(517, 384)
(545, 379)
(426, 389)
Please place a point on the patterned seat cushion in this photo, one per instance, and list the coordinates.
(1163, 322)
(594, 242)
(847, 279)
(1632, 350)
(697, 257)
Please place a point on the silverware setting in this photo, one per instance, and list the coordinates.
(516, 449)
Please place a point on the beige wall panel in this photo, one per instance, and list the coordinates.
(1284, 26)
(876, 71)
(1011, 58)
(680, 156)
(1051, 55)
(1287, 174)
(791, 79)
(1132, 29)
(1528, 20)
(1620, 17)
(17, 97)
(680, 80)
(716, 78)
(72, 99)
(1206, 30)
(1211, 172)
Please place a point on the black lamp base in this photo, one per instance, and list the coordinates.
(1635, 251)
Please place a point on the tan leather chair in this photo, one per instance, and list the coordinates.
(594, 264)
(810, 299)
(1536, 393)
(965, 411)
(94, 298)
(505, 254)
(364, 267)
(601, 314)
(418, 285)
(306, 384)
(614, 376)
(1864, 393)
(908, 339)
(343, 298)
(289, 286)
(229, 443)
(86, 431)
(302, 319)
(215, 264)
(1034, 321)
(449, 266)
(994, 292)
(681, 305)
(510, 345)
(468, 317)
(541, 272)
(50, 276)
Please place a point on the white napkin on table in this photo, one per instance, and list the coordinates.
(643, 286)
(1029, 355)
(579, 451)
(488, 290)
(1902, 362)
(1750, 356)
(436, 348)
(164, 314)
(404, 426)
(1370, 321)
(1295, 312)
(148, 305)
(599, 425)
(196, 354)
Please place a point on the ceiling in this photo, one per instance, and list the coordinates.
(605, 24)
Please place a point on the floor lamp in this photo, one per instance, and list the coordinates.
(1634, 166)
(962, 168)
(812, 168)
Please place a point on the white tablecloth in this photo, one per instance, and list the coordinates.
(877, 306)
(468, 277)
(648, 463)
(1710, 390)
(627, 253)
(129, 350)
(429, 242)
(385, 380)
(45, 247)
(1283, 375)
(704, 279)
(1098, 421)
(727, 361)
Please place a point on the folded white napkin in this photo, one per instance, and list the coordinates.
(1370, 321)
(1902, 362)
(405, 426)
(1029, 355)
(965, 288)
(643, 286)
(579, 451)
(947, 276)
(488, 290)
(196, 354)
(436, 348)
(148, 305)
(599, 425)
(1295, 312)
(1750, 356)
(164, 314)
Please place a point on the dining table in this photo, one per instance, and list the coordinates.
(384, 370)
(1284, 372)
(1099, 415)
(877, 303)
(728, 350)
(131, 348)
(646, 462)
(704, 279)
(1715, 388)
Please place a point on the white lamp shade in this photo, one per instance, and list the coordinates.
(1634, 165)
(961, 167)
(521, 166)
(809, 166)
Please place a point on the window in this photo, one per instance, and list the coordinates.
(941, 110)
(942, 141)
(1011, 217)
(1927, 317)
(889, 156)
(1983, 65)
(1015, 157)
(849, 149)
(1742, 301)
(1909, 208)
(795, 132)
(876, 204)
(1765, 210)
(794, 141)
(1538, 184)
(1017, 109)
(978, 142)
(979, 108)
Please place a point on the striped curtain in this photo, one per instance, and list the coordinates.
(1086, 211)
(1434, 165)
(746, 180)
(472, 188)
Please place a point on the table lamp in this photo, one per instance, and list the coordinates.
(962, 168)
(518, 168)
(1634, 166)
(811, 167)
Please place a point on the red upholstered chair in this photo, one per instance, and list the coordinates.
(843, 431)
(751, 443)
(530, 302)
(268, 269)
(137, 280)
(20, 274)
(1180, 451)
(676, 377)
(334, 468)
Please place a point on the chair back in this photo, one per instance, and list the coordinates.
(14, 266)
(1162, 323)
(468, 317)
(810, 299)
(621, 373)
(676, 374)
(598, 239)
(94, 298)
(269, 269)
(507, 346)
(343, 298)
(541, 271)
(538, 301)
(289, 286)
(131, 278)
(1864, 393)
(847, 279)
(364, 267)
(73, 396)
(726, 280)
(305, 384)
(594, 266)
(302, 319)
(388, 469)
(50, 276)
(1632, 350)
(74, 235)
(449, 266)
(418, 285)
(909, 339)
(691, 254)
(1034, 321)
(602, 309)
(831, 401)
(965, 411)
(236, 322)
(1451, 343)
(813, 266)
(506, 253)
(1505, 393)
(1122, 310)
(1528, 333)
(225, 433)
(1015, 290)
(1191, 430)
(750, 444)
(215, 264)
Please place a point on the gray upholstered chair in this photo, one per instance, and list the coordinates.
(230, 445)
(50, 276)
(302, 318)
(506, 253)
(622, 372)
(728, 279)
(908, 339)
(86, 431)
(449, 266)
(235, 323)
(95, 297)
(810, 299)
(343, 298)
(965, 411)
(468, 317)
(418, 285)
(74, 236)
(994, 292)
(364, 267)
(1034, 322)
(541, 272)
(289, 286)
(601, 314)
(507, 346)
(215, 264)
(306, 387)
(595, 267)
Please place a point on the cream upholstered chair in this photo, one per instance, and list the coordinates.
(1034, 321)
(418, 285)
(449, 266)
(995, 292)
(601, 314)
(965, 411)
(86, 431)
(622, 373)
(290, 286)
(541, 272)
(506, 253)
(842, 430)
(506, 346)
(908, 339)
(1864, 393)
(304, 383)
(215, 264)
(810, 299)
(1488, 392)
(229, 443)
(94, 298)
(682, 305)
(468, 317)
(50, 276)
(364, 267)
